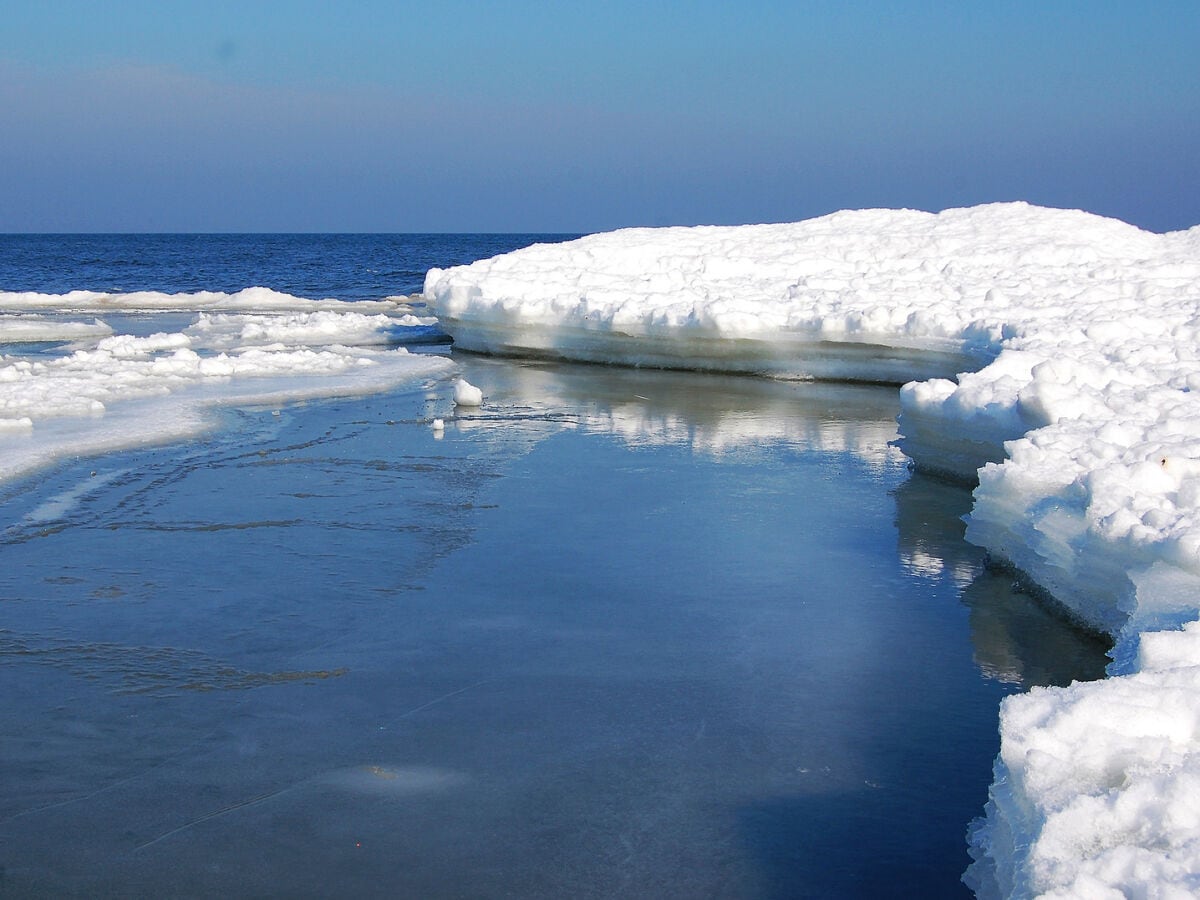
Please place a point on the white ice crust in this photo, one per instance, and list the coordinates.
(106, 391)
(253, 299)
(19, 329)
(1057, 360)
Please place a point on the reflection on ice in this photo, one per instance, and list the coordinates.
(57, 507)
(930, 527)
(927, 565)
(712, 415)
(518, 658)
(1021, 641)
(1017, 638)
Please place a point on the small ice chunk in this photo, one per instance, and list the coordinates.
(15, 424)
(466, 394)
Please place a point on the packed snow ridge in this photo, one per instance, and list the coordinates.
(1053, 355)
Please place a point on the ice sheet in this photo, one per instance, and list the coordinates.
(1052, 354)
(605, 653)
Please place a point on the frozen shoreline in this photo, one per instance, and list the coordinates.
(1076, 342)
(597, 577)
(101, 388)
(1055, 355)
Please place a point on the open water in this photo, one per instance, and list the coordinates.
(615, 634)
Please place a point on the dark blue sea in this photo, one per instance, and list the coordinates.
(314, 266)
(616, 633)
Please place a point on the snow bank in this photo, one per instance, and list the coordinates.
(1057, 359)
(804, 300)
(1097, 787)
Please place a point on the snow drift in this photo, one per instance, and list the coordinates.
(1057, 360)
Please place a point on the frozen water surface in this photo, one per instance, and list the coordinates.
(610, 634)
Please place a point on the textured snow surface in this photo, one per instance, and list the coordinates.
(17, 329)
(254, 299)
(1097, 787)
(1056, 358)
(100, 390)
(466, 394)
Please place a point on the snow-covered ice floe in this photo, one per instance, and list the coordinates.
(100, 391)
(29, 329)
(1053, 355)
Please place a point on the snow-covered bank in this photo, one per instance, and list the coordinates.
(102, 390)
(1097, 785)
(1076, 345)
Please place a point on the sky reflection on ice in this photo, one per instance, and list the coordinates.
(615, 632)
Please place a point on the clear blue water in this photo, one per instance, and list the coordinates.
(618, 634)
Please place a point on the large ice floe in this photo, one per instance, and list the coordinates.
(73, 387)
(1052, 355)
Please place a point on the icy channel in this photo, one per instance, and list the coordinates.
(612, 633)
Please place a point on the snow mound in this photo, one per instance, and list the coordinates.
(1053, 355)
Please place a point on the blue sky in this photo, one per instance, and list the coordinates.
(521, 116)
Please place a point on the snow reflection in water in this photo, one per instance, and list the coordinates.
(614, 632)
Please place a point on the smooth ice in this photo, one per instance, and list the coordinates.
(610, 633)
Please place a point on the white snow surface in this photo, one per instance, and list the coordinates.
(315, 328)
(107, 391)
(466, 394)
(253, 299)
(1056, 358)
(18, 329)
